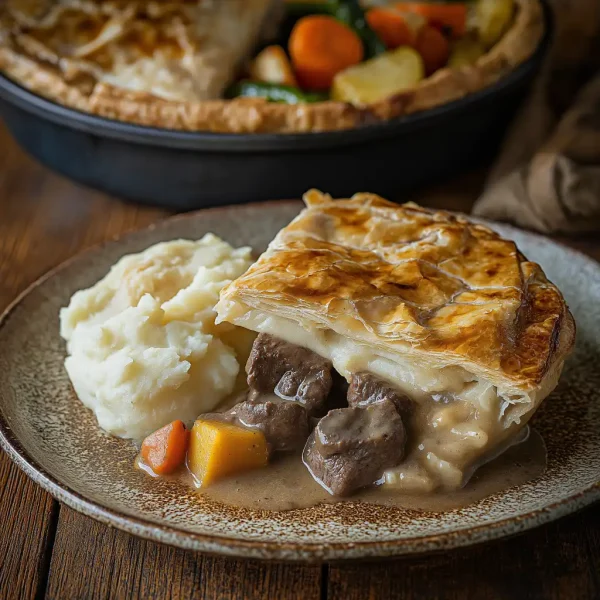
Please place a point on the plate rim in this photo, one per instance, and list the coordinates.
(274, 550)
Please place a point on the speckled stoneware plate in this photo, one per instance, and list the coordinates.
(56, 441)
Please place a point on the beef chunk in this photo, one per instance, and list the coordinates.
(286, 425)
(367, 389)
(352, 447)
(289, 371)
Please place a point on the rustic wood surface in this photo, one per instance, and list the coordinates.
(49, 550)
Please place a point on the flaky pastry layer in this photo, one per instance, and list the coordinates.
(408, 286)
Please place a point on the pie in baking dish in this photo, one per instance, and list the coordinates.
(187, 64)
(442, 316)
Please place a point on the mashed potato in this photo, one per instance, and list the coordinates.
(143, 345)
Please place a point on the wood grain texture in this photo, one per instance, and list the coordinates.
(28, 519)
(553, 562)
(45, 219)
(113, 564)
(27, 513)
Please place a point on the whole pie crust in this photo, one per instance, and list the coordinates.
(251, 115)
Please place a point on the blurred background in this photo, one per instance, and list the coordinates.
(205, 104)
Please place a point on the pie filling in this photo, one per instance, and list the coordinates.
(411, 427)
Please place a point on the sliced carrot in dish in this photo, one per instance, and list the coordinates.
(451, 16)
(433, 47)
(391, 27)
(320, 47)
(164, 450)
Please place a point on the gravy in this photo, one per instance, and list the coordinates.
(286, 484)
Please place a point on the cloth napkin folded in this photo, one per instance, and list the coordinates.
(547, 176)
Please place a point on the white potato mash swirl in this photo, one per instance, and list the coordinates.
(143, 345)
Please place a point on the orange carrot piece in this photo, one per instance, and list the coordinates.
(320, 47)
(391, 27)
(164, 450)
(433, 48)
(452, 16)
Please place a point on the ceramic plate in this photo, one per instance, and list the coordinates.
(56, 441)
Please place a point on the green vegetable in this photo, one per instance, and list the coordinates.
(348, 12)
(273, 92)
(351, 13)
(301, 9)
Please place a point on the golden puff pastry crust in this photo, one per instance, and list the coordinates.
(428, 286)
(39, 56)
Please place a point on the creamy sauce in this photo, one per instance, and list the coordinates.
(459, 416)
(286, 484)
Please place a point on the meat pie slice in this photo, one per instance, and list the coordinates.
(443, 310)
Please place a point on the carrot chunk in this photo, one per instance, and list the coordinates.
(433, 48)
(320, 46)
(164, 450)
(452, 16)
(391, 27)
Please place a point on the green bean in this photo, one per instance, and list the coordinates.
(301, 9)
(273, 92)
(351, 13)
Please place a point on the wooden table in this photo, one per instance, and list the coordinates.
(49, 550)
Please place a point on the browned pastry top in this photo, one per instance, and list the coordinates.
(401, 278)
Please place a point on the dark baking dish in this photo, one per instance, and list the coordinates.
(183, 170)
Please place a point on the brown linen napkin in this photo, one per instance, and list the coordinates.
(547, 176)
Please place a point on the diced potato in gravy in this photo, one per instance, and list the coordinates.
(220, 449)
